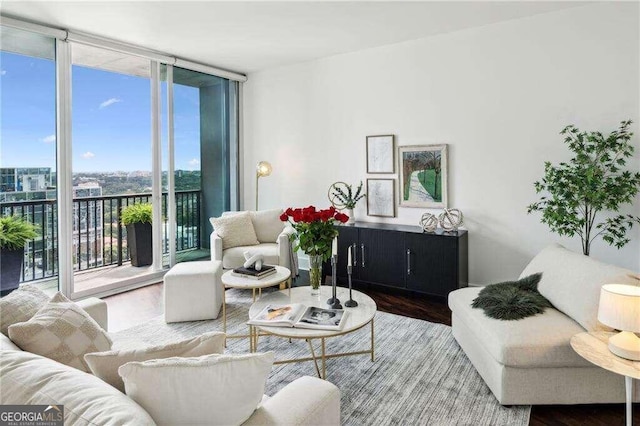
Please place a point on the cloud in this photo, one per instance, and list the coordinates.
(194, 162)
(3, 72)
(88, 155)
(109, 102)
(48, 139)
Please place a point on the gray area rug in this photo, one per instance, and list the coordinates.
(420, 375)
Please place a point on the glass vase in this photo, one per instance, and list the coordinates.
(315, 273)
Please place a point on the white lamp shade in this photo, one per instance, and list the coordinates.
(620, 307)
(263, 168)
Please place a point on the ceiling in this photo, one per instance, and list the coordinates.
(252, 36)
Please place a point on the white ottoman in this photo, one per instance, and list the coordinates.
(193, 291)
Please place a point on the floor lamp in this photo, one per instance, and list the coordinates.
(263, 169)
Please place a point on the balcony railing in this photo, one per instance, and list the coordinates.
(99, 239)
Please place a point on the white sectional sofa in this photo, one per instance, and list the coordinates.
(27, 378)
(530, 361)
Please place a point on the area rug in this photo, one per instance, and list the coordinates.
(420, 375)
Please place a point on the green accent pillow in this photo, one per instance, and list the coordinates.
(512, 300)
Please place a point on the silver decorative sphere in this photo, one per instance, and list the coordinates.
(429, 222)
(451, 219)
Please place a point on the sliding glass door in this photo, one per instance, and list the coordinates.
(112, 164)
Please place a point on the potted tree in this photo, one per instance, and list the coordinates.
(137, 218)
(15, 232)
(582, 196)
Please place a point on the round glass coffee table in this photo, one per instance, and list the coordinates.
(229, 280)
(356, 318)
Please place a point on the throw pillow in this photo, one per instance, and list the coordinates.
(512, 300)
(211, 389)
(105, 364)
(20, 305)
(267, 225)
(235, 230)
(61, 331)
(31, 379)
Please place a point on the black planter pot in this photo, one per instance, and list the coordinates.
(139, 243)
(10, 269)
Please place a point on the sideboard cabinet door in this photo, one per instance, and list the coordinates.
(431, 264)
(380, 257)
(424, 258)
(348, 237)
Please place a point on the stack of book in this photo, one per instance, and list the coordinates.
(254, 274)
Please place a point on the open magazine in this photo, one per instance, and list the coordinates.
(300, 316)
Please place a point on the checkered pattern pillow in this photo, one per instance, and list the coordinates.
(20, 305)
(61, 331)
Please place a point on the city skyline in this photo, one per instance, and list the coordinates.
(111, 124)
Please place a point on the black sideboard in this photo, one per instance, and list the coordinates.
(403, 257)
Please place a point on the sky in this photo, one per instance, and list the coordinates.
(111, 118)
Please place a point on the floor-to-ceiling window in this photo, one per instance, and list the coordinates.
(28, 147)
(111, 157)
(121, 110)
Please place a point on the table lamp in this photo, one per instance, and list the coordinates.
(262, 169)
(620, 308)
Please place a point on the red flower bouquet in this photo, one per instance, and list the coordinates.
(314, 228)
(314, 234)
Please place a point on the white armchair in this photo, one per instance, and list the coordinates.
(273, 237)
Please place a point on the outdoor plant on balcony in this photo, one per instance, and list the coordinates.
(137, 218)
(15, 232)
(136, 213)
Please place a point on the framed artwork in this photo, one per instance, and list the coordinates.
(380, 154)
(381, 197)
(423, 176)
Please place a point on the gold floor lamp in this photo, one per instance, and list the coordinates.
(263, 169)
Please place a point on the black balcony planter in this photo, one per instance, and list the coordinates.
(139, 243)
(10, 268)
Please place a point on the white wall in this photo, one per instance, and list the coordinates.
(498, 95)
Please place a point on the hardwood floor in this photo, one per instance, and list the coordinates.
(134, 307)
(137, 306)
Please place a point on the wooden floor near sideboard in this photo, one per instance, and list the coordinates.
(137, 306)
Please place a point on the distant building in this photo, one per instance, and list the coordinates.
(87, 189)
(26, 183)
(88, 223)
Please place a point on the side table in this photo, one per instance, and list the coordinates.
(594, 348)
(229, 280)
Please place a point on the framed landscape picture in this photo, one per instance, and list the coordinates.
(381, 197)
(423, 176)
(380, 154)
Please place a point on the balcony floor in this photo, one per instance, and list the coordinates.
(109, 277)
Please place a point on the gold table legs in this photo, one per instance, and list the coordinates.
(321, 369)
